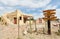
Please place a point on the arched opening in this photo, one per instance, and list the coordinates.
(15, 20)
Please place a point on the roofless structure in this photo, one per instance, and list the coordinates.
(15, 17)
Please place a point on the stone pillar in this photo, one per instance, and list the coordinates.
(22, 19)
(17, 20)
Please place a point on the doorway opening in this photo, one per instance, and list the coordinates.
(15, 20)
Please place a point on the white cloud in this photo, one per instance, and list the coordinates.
(5, 9)
(37, 15)
(28, 3)
(51, 7)
(9, 2)
(2, 8)
(58, 13)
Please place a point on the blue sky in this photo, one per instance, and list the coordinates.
(34, 7)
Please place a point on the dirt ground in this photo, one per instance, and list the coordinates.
(11, 32)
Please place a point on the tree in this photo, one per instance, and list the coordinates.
(49, 15)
